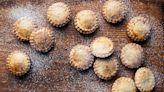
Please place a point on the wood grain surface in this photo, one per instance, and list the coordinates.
(51, 72)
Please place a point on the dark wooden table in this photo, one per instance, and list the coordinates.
(51, 72)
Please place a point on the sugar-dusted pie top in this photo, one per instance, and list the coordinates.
(144, 79)
(58, 14)
(132, 55)
(23, 28)
(139, 28)
(124, 84)
(105, 68)
(42, 39)
(18, 63)
(86, 21)
(114, 11)
(102, 47)
(81, 57)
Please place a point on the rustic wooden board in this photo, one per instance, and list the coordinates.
(51, 71)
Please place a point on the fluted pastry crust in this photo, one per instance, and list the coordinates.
(42, 40)
(139, 28)
(86, 21)
(18, 63)
(132, 55)
(102, 47)
(105, 68)
(81, 57)
(59, 14)
(124, 84)
(144, 79)
(23, 28)
(114, 11)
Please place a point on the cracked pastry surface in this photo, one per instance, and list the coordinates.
(114, 11)
(59, 14)
(105, 68)
(139, 28)
(42, 40)
(81, 57)
(86, 21)
(18, 63)
(124, 84)
(23, 28)
(132, 55)
(144, 79)
(102, 47)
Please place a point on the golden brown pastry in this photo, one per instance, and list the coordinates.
(18, 63)
(114, 11)
(138, 29)
(81, 57)
(23, 28)
(124, 84)
(86, 21)
(59, 14)
(105, 68)
(42, 40)
(132, 55)
(144, 79)
(102, 47)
